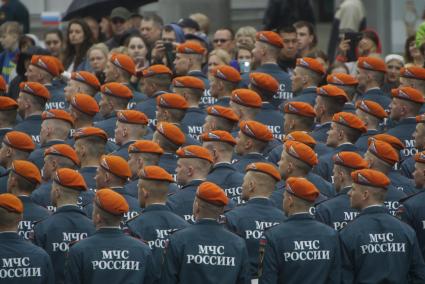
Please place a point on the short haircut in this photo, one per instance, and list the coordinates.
(230, 30)
(95, 145)
(287, 30)
(157, 20)
(301, 165)
(246, 31)
(310, 27)
(306, 122)
(11, 28)
(332, 105)
(24, 184)
(166, 144)
(161, 80)
(108, 219)
(351, 133)
(8, 219)
(38, 102)
(224, 124)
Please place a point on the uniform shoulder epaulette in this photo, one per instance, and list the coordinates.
(73, 242)
(41, 220)
(410, 196)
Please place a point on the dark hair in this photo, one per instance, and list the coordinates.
(155, 18)
(373, 36)
(310, 27)
(407, 56)
(232, 33)
(70, 51)
(57, 32)
(287, 30)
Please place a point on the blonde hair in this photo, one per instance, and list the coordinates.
(222, 54)
(246, 31)
(202, 20)
(100, 46)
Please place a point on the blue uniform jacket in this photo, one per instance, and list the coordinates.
(108, 125)
(168, 161)
(154, 225)
(408, 167)
(20, 257)
(192, 122)
(301, 250)
(148, 106)
(247, 159)
(109, 256)
(223, 101)
(229, 179)
(55, 233)
(32, 213)
(122, 150)
(270, 115)
(404, 130)
(31, 126)
(379, 248)
(307, 95)
(4, 177)
(88, 174)
(205, 253)
(3, 132)
(401, 182)
(376, 95)
(181, 202)
(361, 143)
(249, 221)
(320, 132)
(57, 97)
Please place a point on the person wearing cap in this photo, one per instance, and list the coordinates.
(206, 252)
(245, 103)
(24, 177)
(193, 165)
(301, 249)
(411, 210)
(38, 267)
(156, 80)
(265, 54)
(405, 106)
(114, 97)
(31, 103)
(55, 129)
(408, 165)
(220, 118)
(414, 77)
(118, 18)
(345, 129)
(8, 113)
(114, 173)
(43, 69)
(297, 160)
(192, 89)
(307, 75)
(169, 137)
(251, 219)
(131, 126)
(223, 81)
(394, 63)
(16, 145)
(81, 82)
(109, 255)
(220, 144)
(336, 212)
(378, 247)
(348, 84)
(83, 109)
(189, 59)
(330, 100)
(251, 141)
(373, 115)
(267, 87)
(90, 145)
(371, 74)
(156, 221)
(67, 224)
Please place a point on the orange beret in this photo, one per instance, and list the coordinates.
(189, 82)
(59, 64)
(132, 117)
(3, 85)
(7, 103)
(256, 130)
(372, 64)
(413, 72)
(117, 90)
(265, 168)
(47, 63)
(264, 81)
(145, 146)
(301, 136)
(124, 62)
(227, 73)
(85, 103)
(70, 179)
(350, 160)
(190, 47)
(370, 177)
(195, 151)
(19, 140)
(212, 193)
(57, 114)
(420, 157)
(383, 151)
(63, 150)
(223, 112)
(342, 79)
(34, 89)
(116, 165)
(246, 97)
(349, 120)
(11, 203)
(218, 136)
(312, 64)
(157, 69)
(270, 37)
(332, 91)
(301, 152)
(171, 132)
(372, 108)
(86, 78)
(171, 100)
(299, 108)
(27, 170)
(302, 188)
(409, 94)
(390, 139)
(155, 173)
(90, 132)
(111, 201)
(420, 118)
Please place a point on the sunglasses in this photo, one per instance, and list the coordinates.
(220, 40)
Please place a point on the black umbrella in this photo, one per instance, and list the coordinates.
(99, 8)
